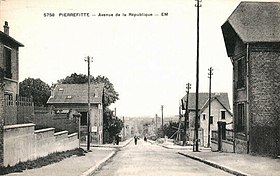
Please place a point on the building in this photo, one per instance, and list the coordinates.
(220, 111)
(68, 98)
(14, 110)
(9, 54)
(11, 107)
(252, 40)
(9, 49)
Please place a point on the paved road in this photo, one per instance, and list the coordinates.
(147, 159)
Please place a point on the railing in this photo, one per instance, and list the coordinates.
(229, 135)
(16, 111)
(19, 101)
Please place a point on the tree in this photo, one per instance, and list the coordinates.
(112, 125)
(74, 78)
(171, 128)
(36, 88)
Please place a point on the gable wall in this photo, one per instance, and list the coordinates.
(264, 100)
(216, 108)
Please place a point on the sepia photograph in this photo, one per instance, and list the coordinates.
(139, 87)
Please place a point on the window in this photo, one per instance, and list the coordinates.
(7, 62)
(241, 73)
(203, 116)
(223, 115)
(211, 119)
(240, 121)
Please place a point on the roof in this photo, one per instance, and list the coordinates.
(76, 93)
(253, 22)
(203, 100)
(7, 38)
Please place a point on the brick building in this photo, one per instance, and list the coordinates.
(220, 111)
(68, 98)
(252, 40)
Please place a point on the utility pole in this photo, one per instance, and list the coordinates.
(210, 77)
(197, 81)
(186, 113)
(116, 112)
(88, 60)
(156, 121)
(162, 120)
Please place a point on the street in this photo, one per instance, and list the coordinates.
(150, 159)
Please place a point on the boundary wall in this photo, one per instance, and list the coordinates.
(22, 142)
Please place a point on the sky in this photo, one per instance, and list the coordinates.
(149, 59)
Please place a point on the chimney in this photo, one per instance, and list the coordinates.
(6, 28)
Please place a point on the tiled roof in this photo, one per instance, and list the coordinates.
(5, 37)
(253, 22)
(203, 99)
(76, 93)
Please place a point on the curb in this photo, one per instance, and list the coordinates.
(102, 162)
(183, 148)
(175, 148)
(213, 164)
(98, 165)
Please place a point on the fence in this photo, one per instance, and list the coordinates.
(223, 139)
(16, 110)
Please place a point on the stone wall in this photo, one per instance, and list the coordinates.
(22, 143)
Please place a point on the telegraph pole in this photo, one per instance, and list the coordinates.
(197, 81)
(156, 121)
(186, 113)
(162, 120)
(210, 77)
(88, 60)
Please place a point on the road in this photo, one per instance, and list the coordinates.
(149, 159)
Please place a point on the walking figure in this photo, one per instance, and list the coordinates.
(135, 140)
(117, 138)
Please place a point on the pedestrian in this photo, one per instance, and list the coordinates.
(145, 139)
(135, 140)
(117, 138)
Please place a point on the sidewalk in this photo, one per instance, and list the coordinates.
(237, 164)
(77, 165)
